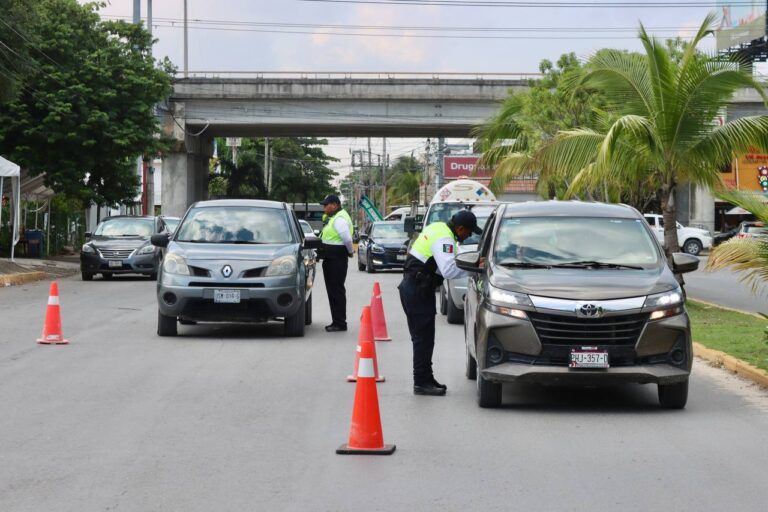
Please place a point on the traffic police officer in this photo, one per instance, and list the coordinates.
(337, 249)
(434, 250)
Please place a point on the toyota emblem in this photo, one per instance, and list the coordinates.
(589, 311)
(226, 271)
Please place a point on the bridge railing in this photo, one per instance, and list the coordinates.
(382, 75)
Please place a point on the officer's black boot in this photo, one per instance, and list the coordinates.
(428, 388)
(437, 384)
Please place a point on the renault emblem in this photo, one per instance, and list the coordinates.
(589, 311)
(226, 271)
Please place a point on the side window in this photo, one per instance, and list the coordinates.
(296, 224)
(485, 239)
(651, 221)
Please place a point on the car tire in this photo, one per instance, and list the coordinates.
(455, 315)
(308, 311)
(692, 246)
(471, 367)
(166, 325)
(360, 264)
(87, 276)
(369, 266)
(106, 276)
(488, 393)
(673, 396)
(443, 302)
(294, 325)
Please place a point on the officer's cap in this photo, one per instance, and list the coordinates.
(330, 198)
(467, 219)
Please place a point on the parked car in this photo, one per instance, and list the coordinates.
(401, 213)
(383, 247)
(121, 245)
(236, 260)
(306, 228)
(453, 290)
(719, 238)
(543, 306)
(752, 230)
(170, 223)
(692, 240)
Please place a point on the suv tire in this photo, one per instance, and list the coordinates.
(87, 276)
(455, 315)
(692, 246)
(488, 393)
(369, 266)
(294, 325)
(443, 304)
(308, 311)
(471, 367)
(166, 325)
(360, 264)
(674, 396)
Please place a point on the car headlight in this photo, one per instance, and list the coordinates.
(88, 249)
(147, 249)
(175, 264)
(282, 266)
(504, 302)
(377, 248)
(671, 303)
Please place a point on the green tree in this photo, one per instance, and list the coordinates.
(404, 180)
(91, 112)
(16, 54)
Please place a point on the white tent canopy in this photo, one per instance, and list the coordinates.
(10, 170)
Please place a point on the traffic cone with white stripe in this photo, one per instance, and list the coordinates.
(377, 315)
(52, 334)
(365, 335)
(365, 434)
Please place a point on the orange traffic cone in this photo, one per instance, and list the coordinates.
(365, 335)
(365, 434)
(52, 334)
(377, 313)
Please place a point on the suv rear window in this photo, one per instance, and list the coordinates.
(126, 227)
(236, 224)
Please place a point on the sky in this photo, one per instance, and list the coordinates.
(485, 47)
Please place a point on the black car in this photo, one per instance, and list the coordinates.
(384, 246)
(121, 245)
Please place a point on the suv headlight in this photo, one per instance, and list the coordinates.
(671, 303)
(505, 302)
(377, 248)
(88, 249)
(175, 264)
(282, 266)
(147, 249)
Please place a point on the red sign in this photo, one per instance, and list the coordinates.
(463, 167)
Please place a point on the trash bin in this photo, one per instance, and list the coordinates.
(34, 243)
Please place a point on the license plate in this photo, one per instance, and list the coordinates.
(226, 296)
(589, 357)
(115, 263)
(401, 257)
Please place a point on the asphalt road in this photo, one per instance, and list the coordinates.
(239, 418)
(725, 289)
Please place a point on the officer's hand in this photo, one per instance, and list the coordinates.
(481, 262)
(351, 254)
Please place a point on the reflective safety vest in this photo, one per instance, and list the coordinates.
(422, 247)
(329, 234)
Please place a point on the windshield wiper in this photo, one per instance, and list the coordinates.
(522, 264)
(242, 242)
(595, 264)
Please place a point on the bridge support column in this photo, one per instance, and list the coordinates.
(185, 167)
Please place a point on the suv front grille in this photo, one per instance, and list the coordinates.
(119, 254)
(570, 330)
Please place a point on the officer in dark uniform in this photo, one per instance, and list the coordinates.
(336, 250)
(434, 250)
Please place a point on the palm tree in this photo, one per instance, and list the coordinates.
(748, 256)
(659, 129)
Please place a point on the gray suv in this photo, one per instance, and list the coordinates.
(575, 293)
(236, 261)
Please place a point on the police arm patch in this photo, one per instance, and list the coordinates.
(448, 248)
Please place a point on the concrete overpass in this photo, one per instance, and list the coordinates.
(327, 104)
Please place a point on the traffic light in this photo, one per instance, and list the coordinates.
(762, 177)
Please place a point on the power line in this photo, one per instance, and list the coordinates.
(541, 4)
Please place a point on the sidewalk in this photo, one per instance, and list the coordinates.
(26, 270)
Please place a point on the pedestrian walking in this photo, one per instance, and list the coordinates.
(336, 250)
(433, 251)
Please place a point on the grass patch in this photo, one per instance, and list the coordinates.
(736, 334)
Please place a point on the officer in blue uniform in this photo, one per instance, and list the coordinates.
(433, 251)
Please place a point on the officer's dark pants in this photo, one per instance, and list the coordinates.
(419, 307)
(335, 273)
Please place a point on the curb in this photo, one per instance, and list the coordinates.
(737, 366)
(713, 305)
(21, 278)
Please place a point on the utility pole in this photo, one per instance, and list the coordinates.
(426, 172)
(266, 164)
(186, 41)
(440, 155)
(384, 164)
(150, 168)
(368, 170)
(149, 16)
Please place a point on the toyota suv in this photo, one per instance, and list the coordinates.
(575, 293)
(236, 261)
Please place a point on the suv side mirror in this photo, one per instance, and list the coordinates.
(409, 224)
(88, 235)
(469, 261)
(312, 243)
(363, 236)
(683, 263)
(316, 232)
(160, 239)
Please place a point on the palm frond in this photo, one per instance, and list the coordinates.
(639, 130)
(502, 126)
(514, 165)
(749, 257)
(624, 80)
(717, 148)
(753, 203)
(663, 79)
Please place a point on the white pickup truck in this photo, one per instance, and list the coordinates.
(692, 240)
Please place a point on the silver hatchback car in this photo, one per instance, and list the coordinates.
(236, 260)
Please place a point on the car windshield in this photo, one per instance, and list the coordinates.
(172, 223)
(126, 227)
(235, 224)
(388, 231)
(563, 240)
(442, 212)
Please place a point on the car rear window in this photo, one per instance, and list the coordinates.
(389, 231)
(236, 224)
(126, 227)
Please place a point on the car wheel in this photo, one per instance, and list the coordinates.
(166, 325)
(294, 325)
(360, 264)
(153, 276)
(455, 315)
(471, 367)
(692, 246)
(87, 276)
(308, 311)
(488, 393)
(369, 266)
(673, 396)
(443, 302)
(106, 275)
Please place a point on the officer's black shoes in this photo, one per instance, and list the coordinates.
(428, 389)
(335, 328)
(438, 385)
